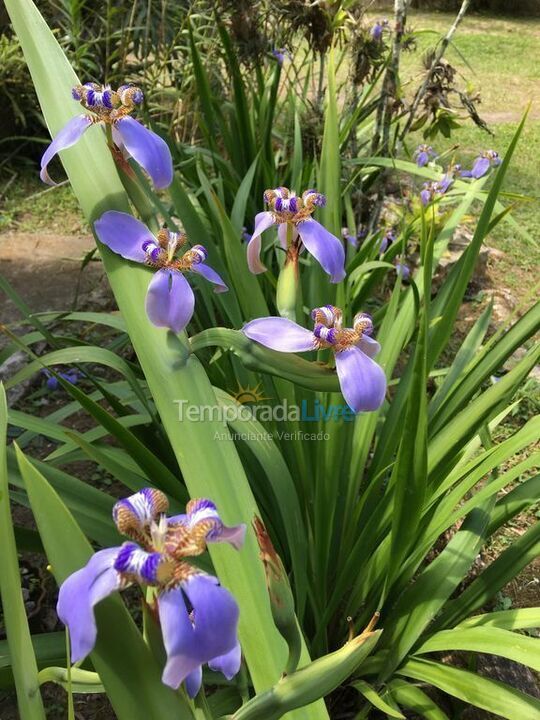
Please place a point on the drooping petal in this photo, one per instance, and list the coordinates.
(123, 234)
(279, 334)
(480, 167)
(170, 301)
(149, 150)
(80, 592)
(326, 248)
(194, 682)
(211, 275)
(263, 221)
(422, 158)
(362, 381)
(68, 136)
(228, 664)
(212, 634)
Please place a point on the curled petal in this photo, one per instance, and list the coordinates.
(480, 167)
(263, 221)
(68, 136)
(279, 334)
(211, 275)
(203, 513)
(170, 301)
(80, 592)
(228, 664)
(362, 381)
(326, 248)
(149, 150)
(123, 234)
(136, 512)
(212, 633)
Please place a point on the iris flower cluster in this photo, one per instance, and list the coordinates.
(198, 617)
(362, 380)
(113, 108)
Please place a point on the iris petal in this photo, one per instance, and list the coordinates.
(194, 682)
(279, 334)
(212, 634)
(170, 301)
(149, 150)
(123, 234)
(68, 136)
(263, 221)
(228, 664)
(369, 346)
(211, 275)
(362, 381)
(326, 248)
(80, 592)
(480, 167)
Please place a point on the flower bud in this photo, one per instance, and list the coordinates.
(281, 597)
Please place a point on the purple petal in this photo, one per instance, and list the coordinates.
(212, 634)
(228, 664)
(480, 167)
(369, 346)
(79, 593)
(425, 197)
(123, 234)
(279, 334)
(326, 248)
(362, 381)
(422, 158)
(211, 275)
(170, 301)
(68, 136)
(263, 221)
(149, 150)
(194, 682)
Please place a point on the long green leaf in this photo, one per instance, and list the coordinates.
(23, 660)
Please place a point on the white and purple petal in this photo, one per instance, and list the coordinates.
(80, 592)
(210, 633)
(362, 381)
(123, 234)
(68, 136)
(263, 221)
(211, 275)
(280, 334)
(326, 248)
(138, 510)
(170, 301)
(202, 509)
(369, 346)
(149, 150)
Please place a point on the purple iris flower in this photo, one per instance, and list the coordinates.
(199, 618)
(113, 107)
(296, 231)
(378, 28)
(280, 54)
(52, 384)
(388, 238)
(362, 381)
(170, 301)
(423, 154)
(440, 187)
(482, 164)
(403, 270)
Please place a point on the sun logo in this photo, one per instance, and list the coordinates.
(247, 395)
